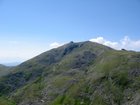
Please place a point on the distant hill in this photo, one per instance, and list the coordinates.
(4, 70)
(83, 73)
(12, 64)
(2, 66)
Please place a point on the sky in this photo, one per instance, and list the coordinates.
(30, 27)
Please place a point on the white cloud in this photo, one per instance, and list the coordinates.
(55, 45)
(18, 51)
(103, 41)
(130, 44)
(125, 43)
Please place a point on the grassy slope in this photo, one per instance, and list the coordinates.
(87, 74)
(113, 79)
(4, 70)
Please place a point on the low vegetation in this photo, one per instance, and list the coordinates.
(82, 73)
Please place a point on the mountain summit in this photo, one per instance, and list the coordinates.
(83, 73)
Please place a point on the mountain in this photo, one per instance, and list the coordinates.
(4, 70)
(2, 67)
(83, 73)
(12, 64)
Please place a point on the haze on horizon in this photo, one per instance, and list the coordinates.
(30, 27)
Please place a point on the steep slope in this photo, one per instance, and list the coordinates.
(84, 73)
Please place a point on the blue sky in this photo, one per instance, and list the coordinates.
(30, 27)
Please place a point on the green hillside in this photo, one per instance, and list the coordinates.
(83, 73)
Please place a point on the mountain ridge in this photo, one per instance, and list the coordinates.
(83, 73)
